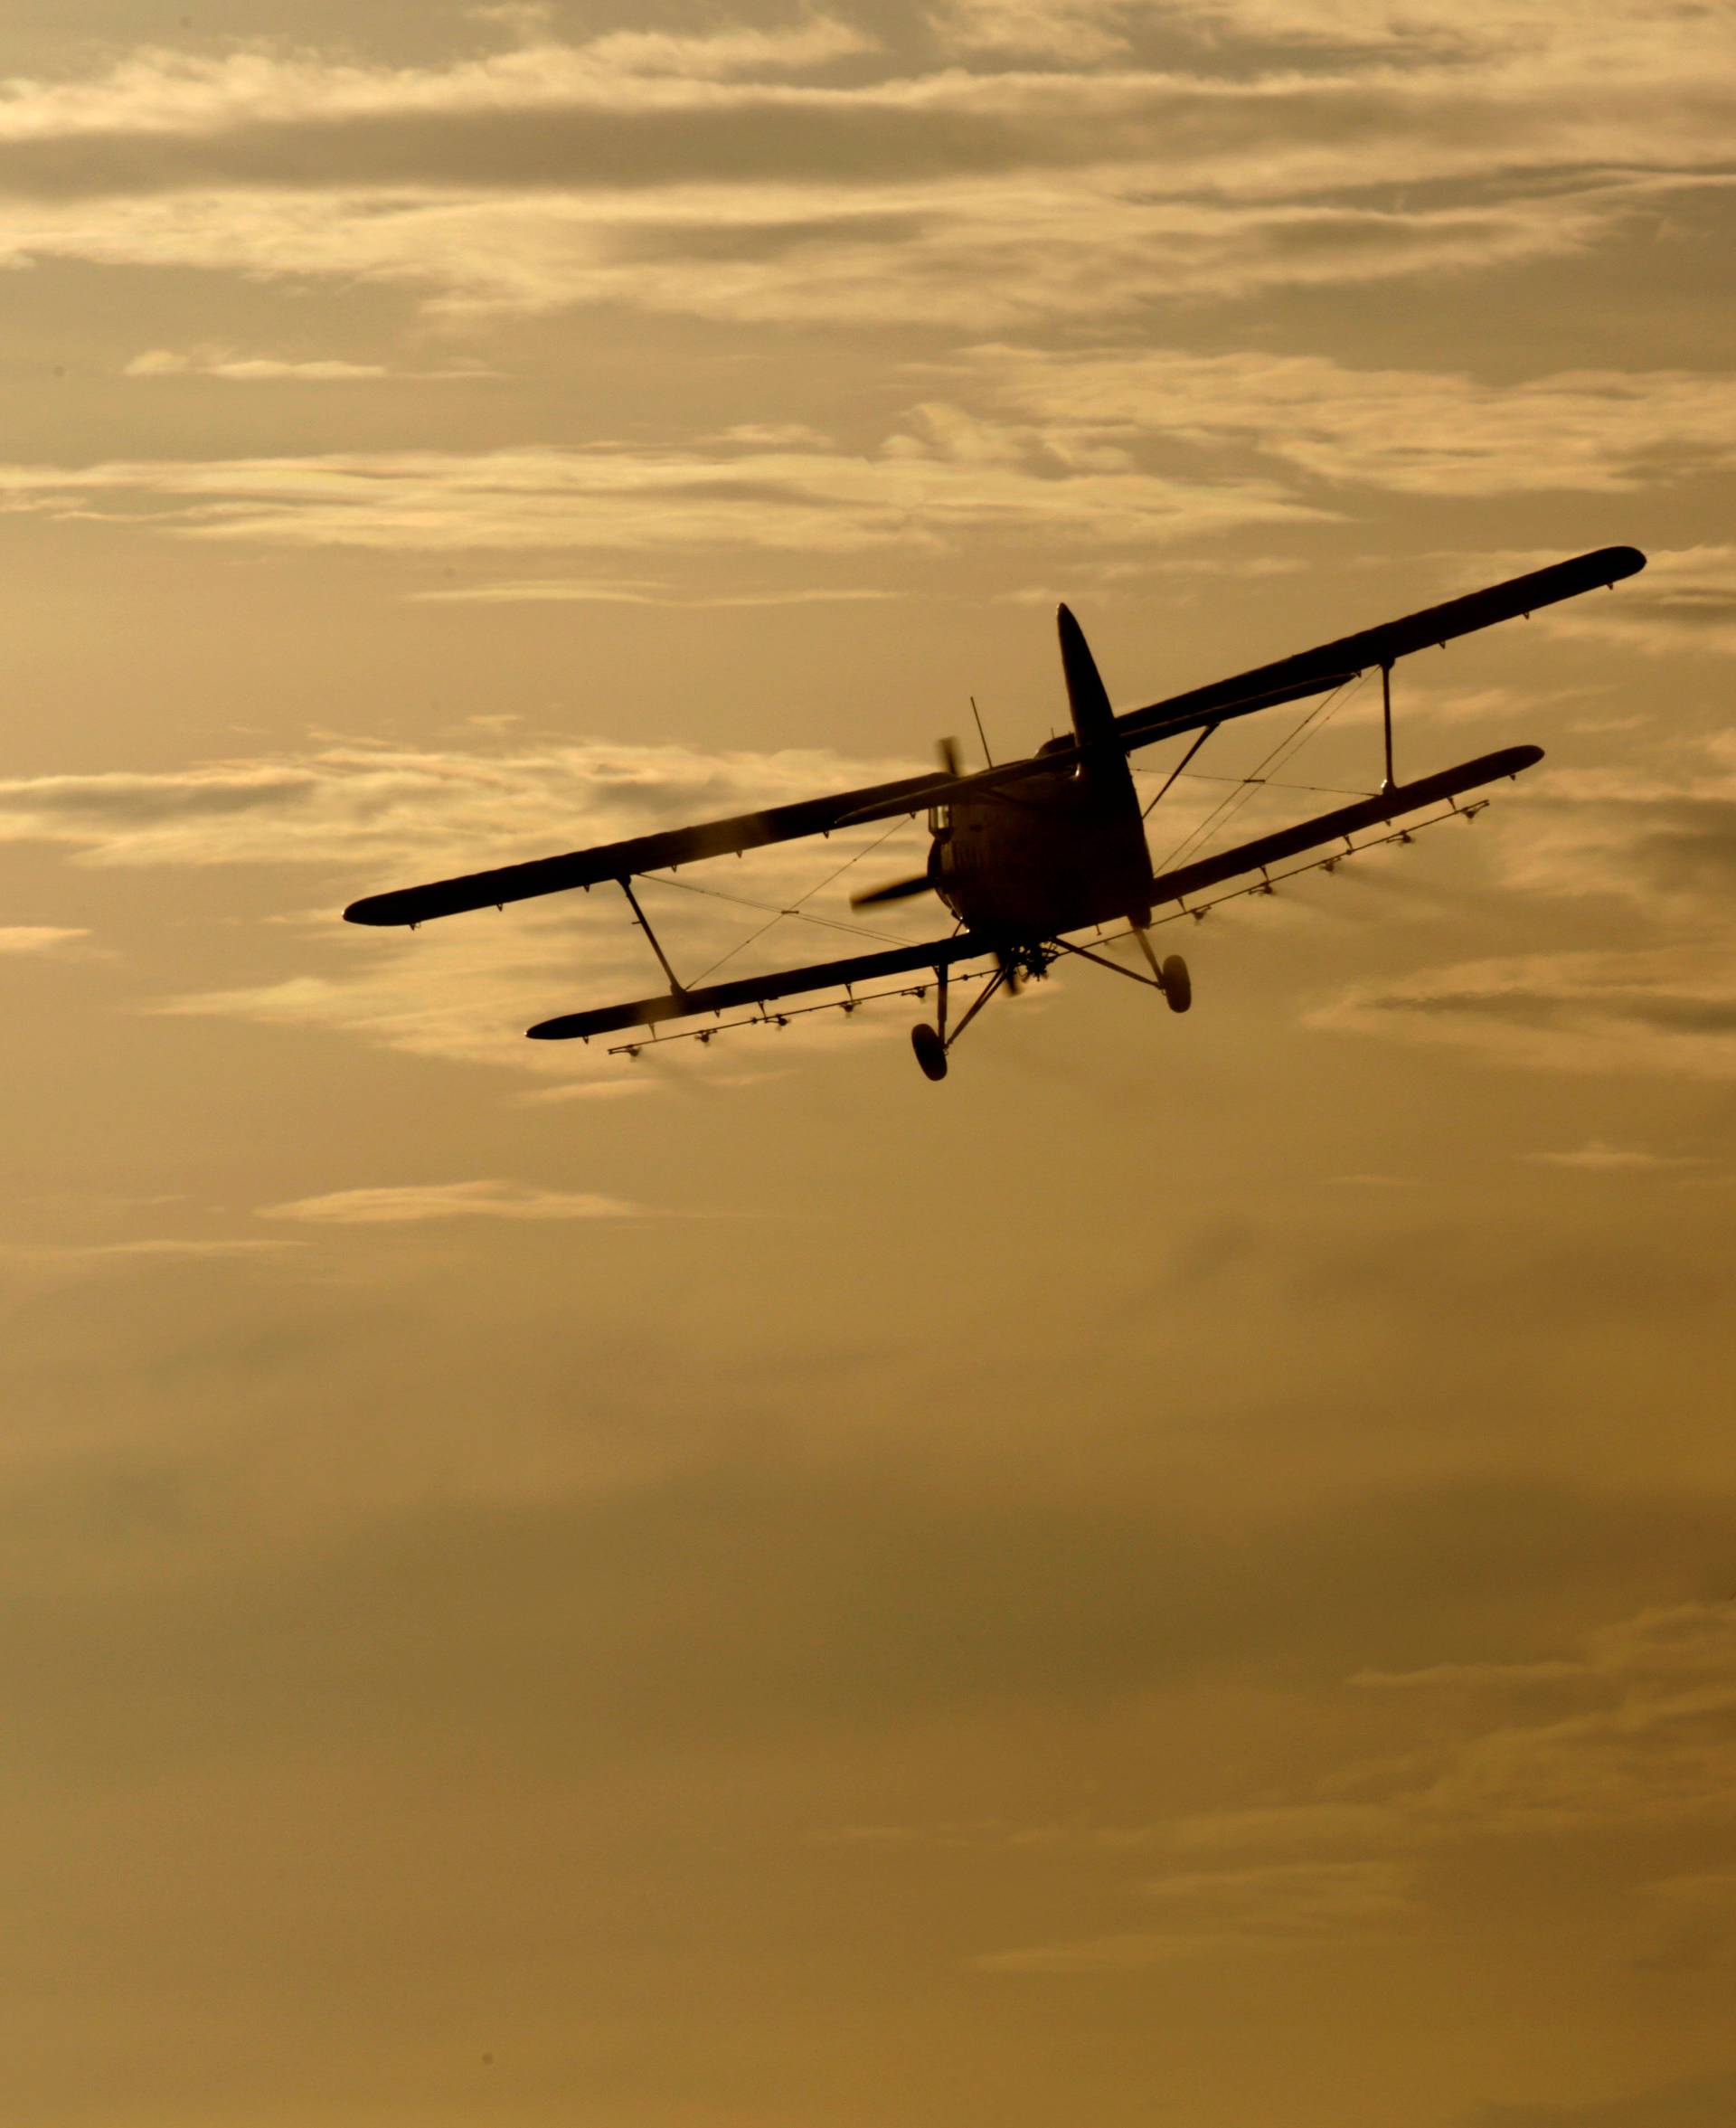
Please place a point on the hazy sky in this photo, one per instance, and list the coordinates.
(1185, 1579)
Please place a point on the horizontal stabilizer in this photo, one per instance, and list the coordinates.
(758, 989)
(1346, 820)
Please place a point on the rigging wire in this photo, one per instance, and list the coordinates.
(1272, 783)
(1227, 806)
(717, 893)
(796, 909)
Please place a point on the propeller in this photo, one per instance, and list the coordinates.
(900, 890)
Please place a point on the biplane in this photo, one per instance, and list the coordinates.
(1026, 854)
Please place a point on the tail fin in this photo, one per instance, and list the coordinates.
(1093, 720)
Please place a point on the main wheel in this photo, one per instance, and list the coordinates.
(1178, 985)
(930, 1051)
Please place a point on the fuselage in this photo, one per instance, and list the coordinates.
(1049, 855)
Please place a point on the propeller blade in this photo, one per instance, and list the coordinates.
(898, 890)
(949, 758)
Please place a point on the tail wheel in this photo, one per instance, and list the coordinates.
(930, 1051)
(1178, 985)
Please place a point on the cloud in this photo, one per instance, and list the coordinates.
(1708, 2102)
(261, 369)
(375, 816)
(628, 592)
(1535, 32)
(1277, 1907)
(406, 1204)
(1652, 1745)
(1473, 1676)
(1630, 1732)
(935, 249)
(159, 92)
(1408, 432)
(926, 491)
(150, 1248)
(1661, 837)
(356, 804)
(38, 938)
(719, 175)
(1076, 31)
(1596, 1157)
(1667, 1009)
(1696, 1924)
(1684, 602)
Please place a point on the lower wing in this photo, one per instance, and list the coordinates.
(1344, 821)
(760, 990)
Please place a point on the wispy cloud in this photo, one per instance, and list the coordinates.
(165, 1248)
(1699, 2102)
(414, 1204)
(967, 252)
(1631, 1729)
(1661, 836)
(1076, 33)
(465, 991)
(1275, 1907)
(932, 484)
(1667, 1009)
(1596, 1157)
(1685, 601)
(165, 92)
(272, 369)
(1521, 30)
(426, 807)
(628, 592)
(38, 938)
(731, 174)
(1409, 432)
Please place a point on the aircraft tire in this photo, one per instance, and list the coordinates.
(930, 1051)
(1178, 985)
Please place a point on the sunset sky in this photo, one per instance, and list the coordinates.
(1185, 1578)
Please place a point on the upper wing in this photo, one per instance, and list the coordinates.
(758, 989)
(1311, 672)
(645, 853)
(1288, 679)
(1331, 664)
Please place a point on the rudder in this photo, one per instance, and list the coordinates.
(1093, 720)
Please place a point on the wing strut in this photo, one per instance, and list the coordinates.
(675, 986)
(1205, 732)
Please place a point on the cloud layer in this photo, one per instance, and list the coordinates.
(801, 174)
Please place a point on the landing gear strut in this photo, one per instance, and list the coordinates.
(1170, 976)
(932, 1044)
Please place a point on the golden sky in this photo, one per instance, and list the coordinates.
(1185, 1579)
